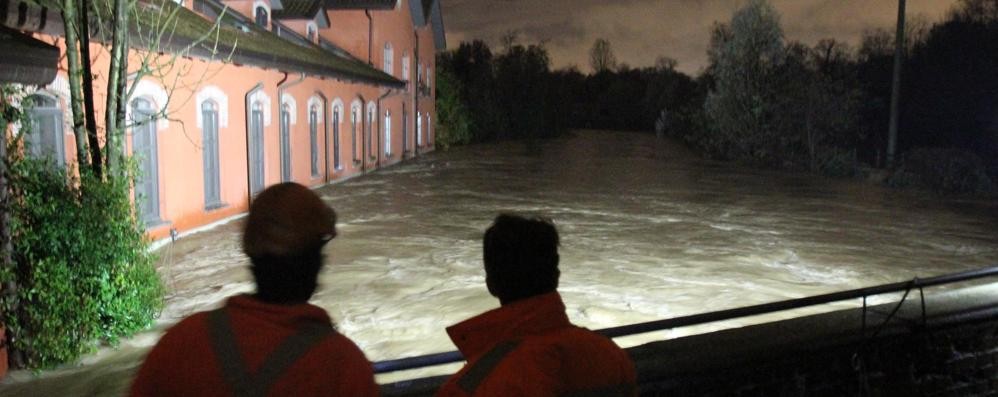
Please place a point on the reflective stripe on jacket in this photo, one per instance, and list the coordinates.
(283, 351)
(529, 348)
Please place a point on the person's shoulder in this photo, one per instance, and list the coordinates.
(342, 347)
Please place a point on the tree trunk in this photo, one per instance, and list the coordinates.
(114, 116)
(69, 17)
(88, 89)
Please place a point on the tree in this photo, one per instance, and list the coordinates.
(80, 270)
(743, 58)
(453, 122)
(601, 56)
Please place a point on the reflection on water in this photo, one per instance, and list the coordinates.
(649, 231)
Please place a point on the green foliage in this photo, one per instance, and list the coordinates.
(513, 95)
(453, 121)
(83, 272)
(944, 171)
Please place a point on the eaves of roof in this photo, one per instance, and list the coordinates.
(360, 4)
(26, 60)
(298, 9)
(248, 44)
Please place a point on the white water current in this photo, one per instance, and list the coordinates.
(649, 231)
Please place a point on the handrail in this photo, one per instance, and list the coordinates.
(720, 315)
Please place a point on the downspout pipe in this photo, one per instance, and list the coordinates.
(415, 97)
(325, 138)
(370, 36)
(249, 156)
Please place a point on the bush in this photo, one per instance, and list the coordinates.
(453, 121)
(83, 273)
(943, 170)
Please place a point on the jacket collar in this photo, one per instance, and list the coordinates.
(290, 316)
(531, 316)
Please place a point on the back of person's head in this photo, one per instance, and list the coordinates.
(521, 257)
(287, 227)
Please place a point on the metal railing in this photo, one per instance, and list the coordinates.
(434, 359)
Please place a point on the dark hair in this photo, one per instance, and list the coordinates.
(521, 257)
(288, 279)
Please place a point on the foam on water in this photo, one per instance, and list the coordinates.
(648, 232)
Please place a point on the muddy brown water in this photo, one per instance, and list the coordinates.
(649, 231)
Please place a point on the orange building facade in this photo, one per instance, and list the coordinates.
(312, 91)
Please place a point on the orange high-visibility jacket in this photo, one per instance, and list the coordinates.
(529, 348)
(266, 349)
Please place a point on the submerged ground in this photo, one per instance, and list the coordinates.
(649, 231)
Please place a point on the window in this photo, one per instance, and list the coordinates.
(388, 134)
(313, 131)
(354, 120)
(262, 18)
(285, 143)
(389, 58)
(45, 138)
(310, 32)
(256, 148)
(405, 66)
(209, 148)
(144, 148)
(429, 74)
(336, 137)
(372, 150)
(419, 129)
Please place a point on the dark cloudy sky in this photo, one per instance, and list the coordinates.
(641, 30)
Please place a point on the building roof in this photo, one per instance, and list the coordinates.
(428, 12)
(298, 9)
(240, 41)
(25, 60)
(360, 4)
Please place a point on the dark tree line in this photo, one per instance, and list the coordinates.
(507, 95)
(766, 101)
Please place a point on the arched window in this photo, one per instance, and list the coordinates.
(262, 17)
(419, 129)
(405, 66)
(144, 142)
(389, 58)
(209, 148)
(45, 138)
(371, 149)
(337, 117)
(313, 132)
(285, 142)
(256, 147)
(310, 32)
(388, 134)
(355, 121)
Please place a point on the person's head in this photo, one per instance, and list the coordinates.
(287, 227)
(521, 257)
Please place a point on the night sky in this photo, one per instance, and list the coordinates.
(642, 30)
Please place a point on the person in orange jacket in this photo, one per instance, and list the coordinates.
(528, 347)
(271, 343)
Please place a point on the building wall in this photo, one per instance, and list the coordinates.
(190, 82)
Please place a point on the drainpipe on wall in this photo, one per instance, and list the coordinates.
(249, 161)
(370, 36)
(325, 138)
(415, 97)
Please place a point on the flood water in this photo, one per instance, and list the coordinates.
(649, 231)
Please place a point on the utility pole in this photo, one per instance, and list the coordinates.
(899, 50)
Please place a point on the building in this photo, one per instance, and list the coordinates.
(310, 91)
